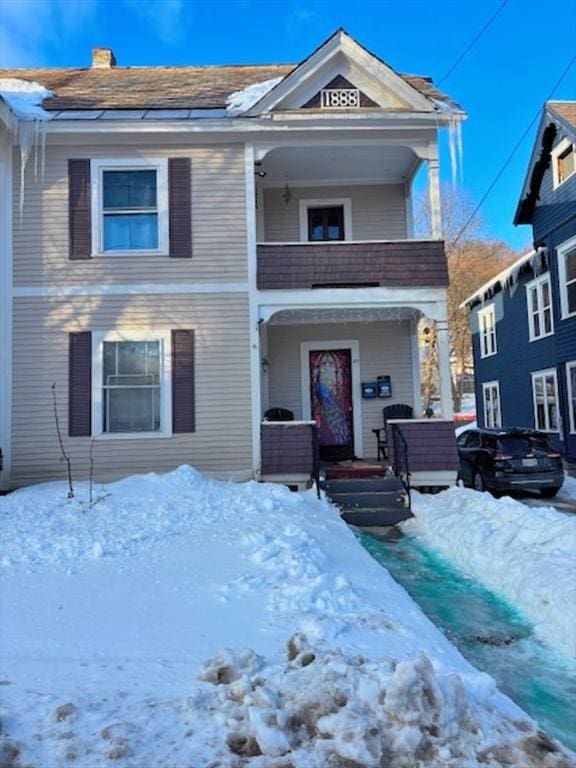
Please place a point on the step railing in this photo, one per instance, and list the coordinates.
(400, 464)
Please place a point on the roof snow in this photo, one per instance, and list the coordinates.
(507, 278)
(241, 101)
(25, 98)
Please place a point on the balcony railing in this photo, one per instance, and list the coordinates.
(394, 264)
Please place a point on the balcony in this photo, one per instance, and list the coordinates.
(349, 264)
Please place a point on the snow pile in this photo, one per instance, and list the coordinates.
(527, 555)
(242, 101)
(113, 616)
(568, 490)
(25, 99)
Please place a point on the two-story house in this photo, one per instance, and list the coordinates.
(207, 243)
(524, 319)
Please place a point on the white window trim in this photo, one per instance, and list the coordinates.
(325, 202)
(97, 167)
(543, 374)
(165, 338)
(489, 310)
(559, 149)
(561, 251)
(537, 283)
(492, 385)
(570, 394)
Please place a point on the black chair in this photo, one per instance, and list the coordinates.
(397, 411)
(278, 414)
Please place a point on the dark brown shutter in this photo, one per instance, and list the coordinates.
(183, 416)
(80, 384)
(180, 207)
(79, 209)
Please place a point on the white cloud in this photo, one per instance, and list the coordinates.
(165, 17)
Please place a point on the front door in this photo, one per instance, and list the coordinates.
(331, 402)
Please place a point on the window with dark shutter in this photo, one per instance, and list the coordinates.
(183, 397)
(180, 207)
(79, 210)
(80, 384)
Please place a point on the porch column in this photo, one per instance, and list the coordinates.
(434, 200)
(444, 375)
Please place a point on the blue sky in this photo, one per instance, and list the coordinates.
(501, 83)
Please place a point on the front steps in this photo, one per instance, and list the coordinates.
(367, 501)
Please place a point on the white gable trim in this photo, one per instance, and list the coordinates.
(342, 44)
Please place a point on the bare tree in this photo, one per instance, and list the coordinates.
(64, 455)
(472, 261)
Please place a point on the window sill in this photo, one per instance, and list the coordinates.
(561, 183)
(491, 354)
(124, 254)
(569, 316)
(133, 436)
(539, 338)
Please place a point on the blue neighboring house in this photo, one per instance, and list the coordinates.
(523, 321)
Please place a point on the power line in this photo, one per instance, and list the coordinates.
(472, 43)
(513, 152)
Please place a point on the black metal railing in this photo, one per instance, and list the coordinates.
(316, 460)
(400, 465)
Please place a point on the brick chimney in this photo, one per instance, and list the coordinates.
(103, 58)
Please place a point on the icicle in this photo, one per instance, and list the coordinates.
(454, 139)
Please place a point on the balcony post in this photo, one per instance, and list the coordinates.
(444, 374)
(434, 199)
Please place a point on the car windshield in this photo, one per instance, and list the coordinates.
(523, 444)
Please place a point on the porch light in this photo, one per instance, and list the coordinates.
(265, 363)
(287, 195)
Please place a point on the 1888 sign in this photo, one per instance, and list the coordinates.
(340, 98)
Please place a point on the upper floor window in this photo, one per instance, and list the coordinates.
(545, 397)
(326, 223)
(571, 393)
(325, 220)
(129, 206)
(567, 277)
(539, 299)
(487, 325)
(563, 162)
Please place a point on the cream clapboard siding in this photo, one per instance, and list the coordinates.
(385, 349)
(222, 441)
(218, 223)
(378, 211)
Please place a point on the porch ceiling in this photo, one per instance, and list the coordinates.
(342, 315)
(293, 165)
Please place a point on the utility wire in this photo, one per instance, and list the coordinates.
(472, 43)
(513, 152)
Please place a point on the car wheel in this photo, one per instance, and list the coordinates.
(548, 493)
(478, 482)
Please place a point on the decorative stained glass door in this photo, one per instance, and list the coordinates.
(331, 402)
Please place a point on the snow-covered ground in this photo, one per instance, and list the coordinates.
(527, 555)
(184, 622)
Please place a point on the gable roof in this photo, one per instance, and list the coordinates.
(169, 88)
(555, 115)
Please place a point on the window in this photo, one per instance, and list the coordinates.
(325, 219)
(326, 223)
(131, 384)
(492, 412)
(539, 308)
(130, 206)
(487, 326)
(563, 161)
(545, 397)
(571, 393)
(567, 276)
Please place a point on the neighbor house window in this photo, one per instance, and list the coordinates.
(492, 409)
(487, 326)
(131, 384)
(130, 206)
(545, 397)
(539, 299)
(571, 393)
(567, 276)
(563, 161)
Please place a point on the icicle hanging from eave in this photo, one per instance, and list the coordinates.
(454, 139)
(24, 99)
